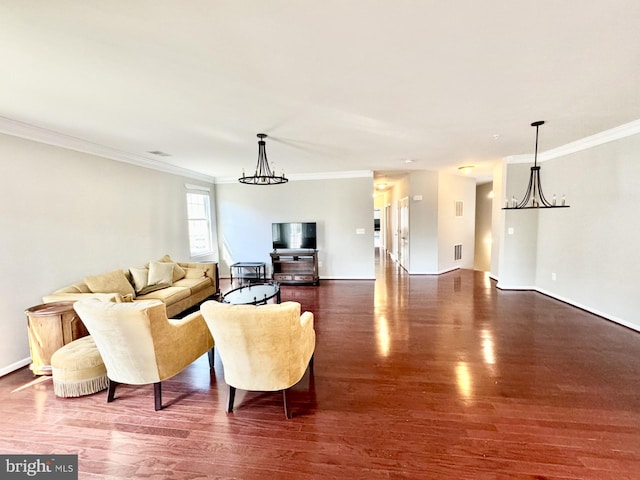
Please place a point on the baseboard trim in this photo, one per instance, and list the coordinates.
(603, 315)
(514, 287)
(440, 272)
(593, 311)
(14, 366)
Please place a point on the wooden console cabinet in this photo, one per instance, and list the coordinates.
(50, 327)
(295, 266)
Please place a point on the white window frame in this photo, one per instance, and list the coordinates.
(199, 220)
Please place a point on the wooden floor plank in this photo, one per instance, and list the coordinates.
(415, 377)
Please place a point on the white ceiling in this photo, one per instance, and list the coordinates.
(338, 85)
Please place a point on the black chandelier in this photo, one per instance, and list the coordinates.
(534, 198)
(264, 175)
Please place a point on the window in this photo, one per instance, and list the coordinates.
(199, 215)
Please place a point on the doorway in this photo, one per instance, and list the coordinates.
(403, 233)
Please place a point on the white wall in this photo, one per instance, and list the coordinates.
(497, 217)
(433, 227)
(483, 234)
(453, 230)
(591, 247)
(65, 215)
(338, 206)
(423, 222)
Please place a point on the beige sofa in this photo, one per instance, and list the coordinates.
(179, 285)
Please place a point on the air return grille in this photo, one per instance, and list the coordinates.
(457, 252)
(459, 208)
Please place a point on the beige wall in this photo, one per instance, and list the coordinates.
(65, 215)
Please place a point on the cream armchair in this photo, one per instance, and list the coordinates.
(262, 348)
(139, 345)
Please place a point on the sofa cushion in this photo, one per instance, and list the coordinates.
(168, 295)
(110, 282)
(152, 288)
(80, 287)
(194, 284)
(160, 273)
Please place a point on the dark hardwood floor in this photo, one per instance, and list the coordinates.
(415, 377)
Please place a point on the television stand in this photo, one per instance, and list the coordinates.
(295, 266)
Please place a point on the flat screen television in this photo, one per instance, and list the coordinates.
(294, 235)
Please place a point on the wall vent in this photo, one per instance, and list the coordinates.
(457, 252)
(459, 208)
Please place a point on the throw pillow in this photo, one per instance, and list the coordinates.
(195, 272)
(140, 277)
(160, 272)
(111, 282)
(178, 271)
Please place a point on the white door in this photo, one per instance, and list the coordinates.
(388, 234)
(403, 233)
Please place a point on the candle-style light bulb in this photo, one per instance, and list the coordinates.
(553, 200)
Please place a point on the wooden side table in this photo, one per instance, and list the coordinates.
(51, 326)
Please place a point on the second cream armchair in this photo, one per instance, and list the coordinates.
(262, 348)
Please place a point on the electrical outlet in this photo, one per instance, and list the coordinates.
(553, 276)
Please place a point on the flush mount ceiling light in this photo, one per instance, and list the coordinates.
(466, 169)
(534, 198)
(263, 175)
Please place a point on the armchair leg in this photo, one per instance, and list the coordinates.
(311, 363)
(211, 354)
(287, 414)
(232, 396)
(111, 393)
(157, 395)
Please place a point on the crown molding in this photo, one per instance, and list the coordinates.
(50, 137)
(623, 131)
(311, 176)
